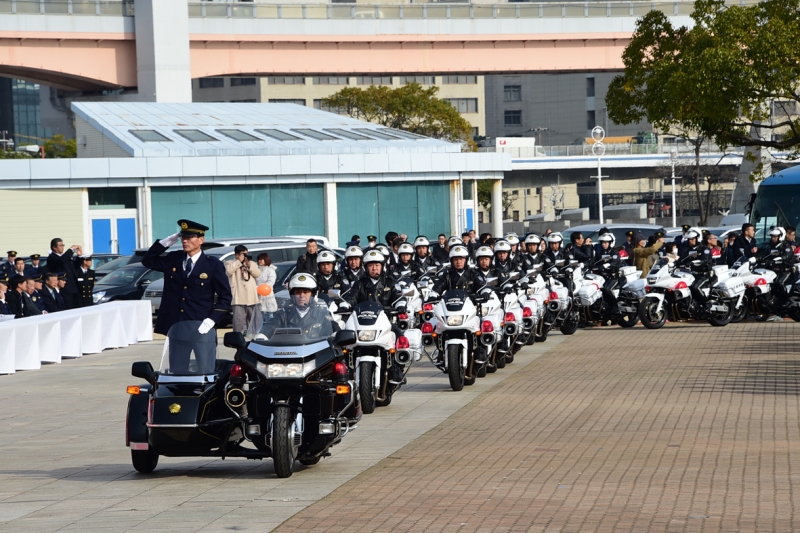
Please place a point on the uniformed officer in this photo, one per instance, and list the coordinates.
(85, 277)
(304, 312)
(327, 277)
(7, 268)
(191, 280)
(4, 310)
(36, 294)
(34, 271)
(375, 286)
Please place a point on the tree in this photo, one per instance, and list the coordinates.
(410, 108)
(731, 78)
(60, 147)
(485, 198)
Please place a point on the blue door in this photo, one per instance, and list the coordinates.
(126, 235)
(101, 235)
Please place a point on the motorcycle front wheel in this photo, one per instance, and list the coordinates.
(284, 449)
(569, 328)
(454, 370)
(740, 313)
(648, 315)
(366, 387)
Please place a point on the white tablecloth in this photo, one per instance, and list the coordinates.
(26, 343)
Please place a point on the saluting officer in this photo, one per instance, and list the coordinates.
(85, 277)
(191, 279)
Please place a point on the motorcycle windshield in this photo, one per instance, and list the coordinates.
(658, 266)
(187, 352)
(454, 300)
(291, 328)
(367, 313)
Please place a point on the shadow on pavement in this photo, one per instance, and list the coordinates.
(779, 377)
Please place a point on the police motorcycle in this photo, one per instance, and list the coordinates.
(493, 318)
(561, 312)
(513, 338)
(289, 396)
(772, 281)
(611, 290)
(533, 300)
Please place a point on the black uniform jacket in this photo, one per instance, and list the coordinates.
(189, 298)
(52, 302)
(381, 292)
(468, 280)
(288, 317)
(64, 263)
(85, 285)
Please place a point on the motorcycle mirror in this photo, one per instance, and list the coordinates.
(774, 252)
(336, 294)
(605, 257)
(560, 262)
(693, 253)
(408, 291)
(491, 282)
(513, 276)
(530, 271)
(345, 337)
(573, 262)
(144, 370)
(431, 269)
(234, 339)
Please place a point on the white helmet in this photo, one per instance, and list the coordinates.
(484, 251)
(512, 239)
(778, 232)
(326, 257)
(453, 241)
(533, 239)
(404, 248)
(607, 237)
(353, 251)
(459, 250)
(303, 281)
(382, 248)
(373, 256)
(502, 246)
(555, 237)
(421, 241)
(693, 233)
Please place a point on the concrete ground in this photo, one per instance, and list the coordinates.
(688, 428)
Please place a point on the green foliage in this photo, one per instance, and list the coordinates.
(718, 79)
(14, 155)
(409, 108)
(60, 147)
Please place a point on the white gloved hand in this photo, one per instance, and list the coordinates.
(169, 241)
(206, 326)
(433, 294)
(344, 306)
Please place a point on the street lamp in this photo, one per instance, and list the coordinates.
(673, 156)
(599, 149)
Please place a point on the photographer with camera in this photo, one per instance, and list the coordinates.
(242, 274)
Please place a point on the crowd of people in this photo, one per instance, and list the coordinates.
(65, 281)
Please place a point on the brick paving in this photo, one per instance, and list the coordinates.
(690, 428)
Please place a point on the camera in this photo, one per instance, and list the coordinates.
(248, 257)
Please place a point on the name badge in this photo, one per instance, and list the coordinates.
(203, 276)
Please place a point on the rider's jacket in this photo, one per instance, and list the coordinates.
(612, 260)
(398, 271)
(375, 290)
(584, 253)
(469, 280)
(420, 266)
(531, 260)
(504, 268)
(290, 317)
(334, 281)
(550, 258)
(353, 275)
(703, 258)
(765, 258)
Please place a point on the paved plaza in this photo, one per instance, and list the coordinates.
(689, 428)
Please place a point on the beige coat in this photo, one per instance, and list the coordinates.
(641, 257)
(244, 292)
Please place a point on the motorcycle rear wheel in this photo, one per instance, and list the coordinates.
(627, 320)
(531, 339)
(386, 401)
(740, 313)
(646, 308)
(144, 461)
(722, 319)
(366, 387)
(569, 328)
(283, 448)
(454, 370)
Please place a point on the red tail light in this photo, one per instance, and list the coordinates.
(402, 343)
(797, 252)
(340, 369)
(402, 316)
(554, 296)
(623, 254)
(681, 285)
(526, 312)
(427, 307)
(510, 317)
(761, 281)
(237, 371)
(715, 252)
(487, 326)
(427, 328)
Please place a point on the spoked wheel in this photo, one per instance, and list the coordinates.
(285, 440)
(650, 318)
(366, 387)
(454, 370)
(144, 461)
(722, 318)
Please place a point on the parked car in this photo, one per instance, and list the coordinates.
(126, 283)
(111, 266)
(99, 260)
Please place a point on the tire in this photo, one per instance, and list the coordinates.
(144, 461)
(718, 320)
(481, 372)
(531, 339)
(741, 313)
(647, 308)
(454, 370)
(569, 328)
(543, 336)
(384, 402)
(366, 384)
(510, 356)
(471, 380)
(628, 320)
(283, 449)
(310, 462)
(794, 314)
(500, 359)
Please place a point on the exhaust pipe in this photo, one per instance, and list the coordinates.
(510, 329)
(487, 339)
(235, 397)
(527, 323)
(403, 357)
(427, 340)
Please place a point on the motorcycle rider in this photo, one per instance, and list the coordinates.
(532, 255)
(303, 312)
(327, 276)
(502, 263)
(457, 275)
(776, 248)
(403, 268)
(556, 253)
(375, 286)
(516, 253)
(697, 257)
(483, 260)
(423, 260)
(353, 272)
(606, 255)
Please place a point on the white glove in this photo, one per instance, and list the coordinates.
(169, 241)
(206, 326)
(433, 294)
(344, 306)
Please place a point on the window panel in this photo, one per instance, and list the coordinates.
(279, 135)
(239, 135)
(195, 135)
(512, 118)
(512, 93)
(150, 136)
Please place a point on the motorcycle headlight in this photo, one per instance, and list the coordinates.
(98, 296)
(289, 370)
(367, 336)
(484, 310)
(455, 320)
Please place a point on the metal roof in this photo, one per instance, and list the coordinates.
(156, 129)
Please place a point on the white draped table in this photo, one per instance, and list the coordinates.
(26, 343)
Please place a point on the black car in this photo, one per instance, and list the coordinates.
(110, 266)
(126, 283)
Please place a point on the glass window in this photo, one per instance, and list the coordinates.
(238, 135)
(298, 101)
(422, 80)
(459, 80)
(195, 136)
(512, 93)
(464, 105)
(244, 101)
(211, 83)
(238, 82)
(512, 118)
(330, 80)
(150, 136)
(377, 134)
(374, 80)
(329, 109)
(403, 133)
(590, 120)
(318, 135)
(279, 135)
(349, 134)
(589, 87)
(286, 80)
